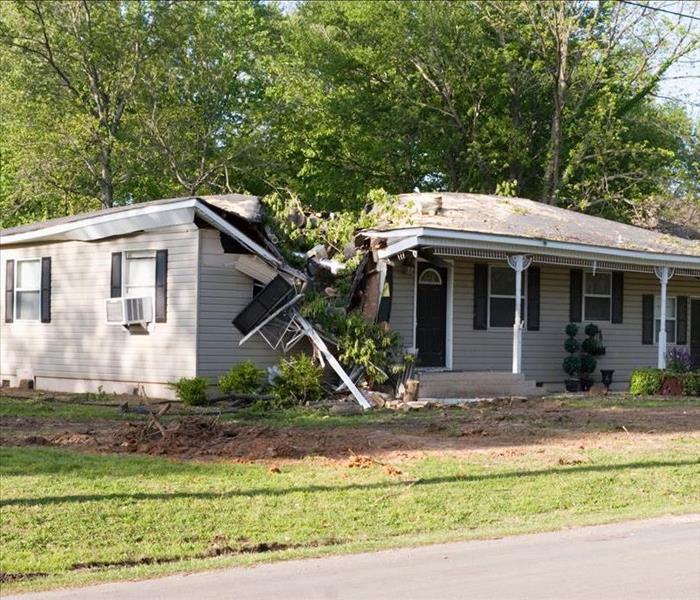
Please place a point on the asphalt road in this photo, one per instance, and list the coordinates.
(655, 559)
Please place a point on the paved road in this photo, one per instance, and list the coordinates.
(656, 559)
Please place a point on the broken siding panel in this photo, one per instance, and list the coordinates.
(543, 352)
(223, 293)
(78, 343)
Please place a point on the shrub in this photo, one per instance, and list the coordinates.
(298, 381)
(691, 383)
(588, 364)
(244, 378)
(571, 345)
(591, 330)
(571, 365)
(572, 330)
(679, 360)
(191, 390)
(646, 382)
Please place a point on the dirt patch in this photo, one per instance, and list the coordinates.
(500, 427)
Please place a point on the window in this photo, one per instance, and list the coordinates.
(139, 273)
(502, 297)
(28, 290)
(670, 319)
(429, 277)
(597, 294)
(257, 287)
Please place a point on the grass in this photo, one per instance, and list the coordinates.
(145, 516)
(309, 417)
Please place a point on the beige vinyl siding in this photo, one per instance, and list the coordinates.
(491, 349)
(78, 344)
(223, 293)
(401, 317)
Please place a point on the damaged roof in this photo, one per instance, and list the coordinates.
(522, 218)
(244, 206)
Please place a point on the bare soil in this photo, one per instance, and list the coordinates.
(506, 428)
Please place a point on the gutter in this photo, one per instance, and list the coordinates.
(432, 236)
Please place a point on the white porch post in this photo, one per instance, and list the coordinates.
(518, 263)
(664, 274)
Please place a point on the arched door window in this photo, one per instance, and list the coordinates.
(430, 277)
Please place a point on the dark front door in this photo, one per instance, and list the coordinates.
(431, 317)
(695, 332)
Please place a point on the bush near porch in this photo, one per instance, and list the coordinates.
(650, 381)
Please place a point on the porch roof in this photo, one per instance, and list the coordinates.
(516, 225)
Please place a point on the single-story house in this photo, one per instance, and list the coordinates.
(487, 284)
(131, 298)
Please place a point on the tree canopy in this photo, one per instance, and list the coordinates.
(106, 103)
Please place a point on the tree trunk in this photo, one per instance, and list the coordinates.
(553, 169)
(105, 179)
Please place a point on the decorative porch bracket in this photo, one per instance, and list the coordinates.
(518, 263)
(664, 274)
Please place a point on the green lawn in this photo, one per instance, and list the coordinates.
(70, 518)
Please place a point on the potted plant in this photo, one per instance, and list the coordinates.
(572, 363)
(591, 347)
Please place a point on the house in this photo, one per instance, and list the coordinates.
(484, 286)
(131, 298)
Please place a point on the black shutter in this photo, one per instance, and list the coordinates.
(647, 320)
(682, 320)
(575, 295)
(116, 280)
(161, 286)
(46, 289)
(618, 296)
(9, 291)
(481, 296)
(533, 299)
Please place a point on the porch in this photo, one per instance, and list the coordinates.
(493, 321)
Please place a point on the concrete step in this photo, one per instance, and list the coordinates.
(470, 384)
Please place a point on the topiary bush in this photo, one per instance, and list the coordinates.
(192, 391)
(646, 381)
(298, 382)
(571, 365)
(244, 378)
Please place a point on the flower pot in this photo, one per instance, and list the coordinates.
(586, 383)
(607, 377)
(572, 385)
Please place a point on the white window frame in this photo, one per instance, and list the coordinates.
(586, 274)
(430, 270)
(125, 270)
(523, 316)
(17, 290)
(657, 306)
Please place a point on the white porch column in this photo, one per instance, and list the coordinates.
(664, 274)
(518, 263)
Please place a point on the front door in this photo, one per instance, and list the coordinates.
(695, 333)
(431, 317)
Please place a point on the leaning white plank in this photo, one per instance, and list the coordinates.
(335, 365)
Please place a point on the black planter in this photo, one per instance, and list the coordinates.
(572, 385)
(586, 383)
(607, 377)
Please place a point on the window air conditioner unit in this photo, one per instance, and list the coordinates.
(129, 311)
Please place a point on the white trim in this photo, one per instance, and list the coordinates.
(53, 231)
(430, 270)
(449, 312)
(531, 245)
(584, 295)
(222, 224)
(657, 304)
(449, 316)
(16, 290)
(397, 248)
(489, 295)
